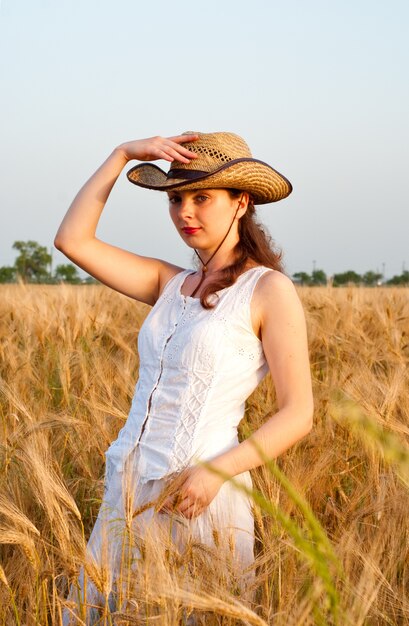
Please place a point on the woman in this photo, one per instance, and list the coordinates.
(209, 339)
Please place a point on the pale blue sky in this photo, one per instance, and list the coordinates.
(318, 89)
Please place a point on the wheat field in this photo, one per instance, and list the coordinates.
(331, 514)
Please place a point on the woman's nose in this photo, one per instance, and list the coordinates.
(185, 208)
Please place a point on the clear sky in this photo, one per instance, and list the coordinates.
(319, 89)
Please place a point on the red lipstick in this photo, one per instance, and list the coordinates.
(190, 231)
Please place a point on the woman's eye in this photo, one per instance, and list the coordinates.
(201, 198)
(173, 200)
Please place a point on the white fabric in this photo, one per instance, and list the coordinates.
(226, 526)
(197, 368)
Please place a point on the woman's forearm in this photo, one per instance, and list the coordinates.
(81, 220)
(275, 436)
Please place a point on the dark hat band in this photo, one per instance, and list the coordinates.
(186, 174)
(263, 182)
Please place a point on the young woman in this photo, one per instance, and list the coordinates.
(210, 338)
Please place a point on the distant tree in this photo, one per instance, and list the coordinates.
(346, 277)
(32, 262)
(7, 274)
(67, 273)
(302, 278)
(402, 279)
(371, 278)
(318, 277)
(90, 280)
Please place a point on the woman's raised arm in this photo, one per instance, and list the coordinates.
(136, 276)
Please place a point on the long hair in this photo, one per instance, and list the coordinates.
(255, 244)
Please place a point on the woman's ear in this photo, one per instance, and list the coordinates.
(243, 203)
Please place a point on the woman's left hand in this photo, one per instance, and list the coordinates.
(197, 486)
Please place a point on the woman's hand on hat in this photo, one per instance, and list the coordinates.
(154, 148)
(197, 486)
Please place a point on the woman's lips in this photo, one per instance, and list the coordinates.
(190, 231)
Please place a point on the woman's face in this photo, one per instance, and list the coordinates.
(202, 217)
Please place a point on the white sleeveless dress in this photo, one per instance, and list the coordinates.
(197, 368)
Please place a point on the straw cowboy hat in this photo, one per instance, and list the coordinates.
(224, 161)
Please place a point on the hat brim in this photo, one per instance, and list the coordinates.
(263, 182)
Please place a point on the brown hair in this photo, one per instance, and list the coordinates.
(255, 244)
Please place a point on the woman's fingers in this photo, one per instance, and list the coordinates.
(171, 503)
(170, 154)
(190, 493)
(184, 138)
(189, 509)
(153, 148)
(178, 152)
(192, 510)
(183, 506)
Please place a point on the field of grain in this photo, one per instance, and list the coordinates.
(332, 513)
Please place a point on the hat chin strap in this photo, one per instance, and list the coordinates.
(205, 265)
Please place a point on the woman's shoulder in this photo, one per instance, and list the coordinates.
(270, 279)
(273, 298)
(274, 279)
(273, 291)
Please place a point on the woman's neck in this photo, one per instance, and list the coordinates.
(217, 259)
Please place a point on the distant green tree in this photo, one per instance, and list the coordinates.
(302, 278)
(402, 279)
(318, 277)
(7, 274)
(371, 278)
(346, 277)
(32, 262)
(67, 273)
(90, 280)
